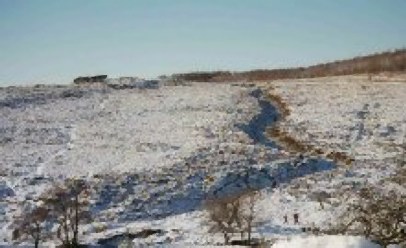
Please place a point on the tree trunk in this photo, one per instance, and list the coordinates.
(249, 233)
(37, 234)
(76, 229)
(66, 230)
(226, 239)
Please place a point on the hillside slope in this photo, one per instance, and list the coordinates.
(392, 61)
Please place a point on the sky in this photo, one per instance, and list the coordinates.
(54, 41)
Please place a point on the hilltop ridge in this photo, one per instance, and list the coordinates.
(389, 61)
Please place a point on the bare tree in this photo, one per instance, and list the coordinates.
(233, 214)
(378, 213)
(69, 207)
(378, 216)
(79, 192)
(248, 212)
(32, 224)
(223, 216)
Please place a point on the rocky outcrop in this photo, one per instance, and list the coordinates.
(94, 79)
(132, 83)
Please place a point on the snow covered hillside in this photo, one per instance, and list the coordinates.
(361, 118)
(153, 155)
(366, 120)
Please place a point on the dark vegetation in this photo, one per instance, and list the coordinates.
(65, 206)
(390, 61)
(234, 215)
(378, 215)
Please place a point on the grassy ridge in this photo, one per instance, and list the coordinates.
(390, 61)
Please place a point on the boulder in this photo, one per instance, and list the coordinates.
(94, 79)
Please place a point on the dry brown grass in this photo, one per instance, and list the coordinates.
(340, 157)
(286, 140)
(291, 143)
(295, 145)
(389, 62)
(277, 100)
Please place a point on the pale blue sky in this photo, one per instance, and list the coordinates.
(54, 41)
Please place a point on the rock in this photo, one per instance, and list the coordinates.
(147, 232)
(94, 79)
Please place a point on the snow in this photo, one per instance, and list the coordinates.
(147, 153)
(111, 132)
(326, 241)
(358, 117)
(122, 130)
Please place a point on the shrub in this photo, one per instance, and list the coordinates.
(233, 214)
(32, 224)
(378, 216)
(68, 207)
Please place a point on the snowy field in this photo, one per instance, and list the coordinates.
(118, 131)
(49, 133)
(366, 120)
(147, 154)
